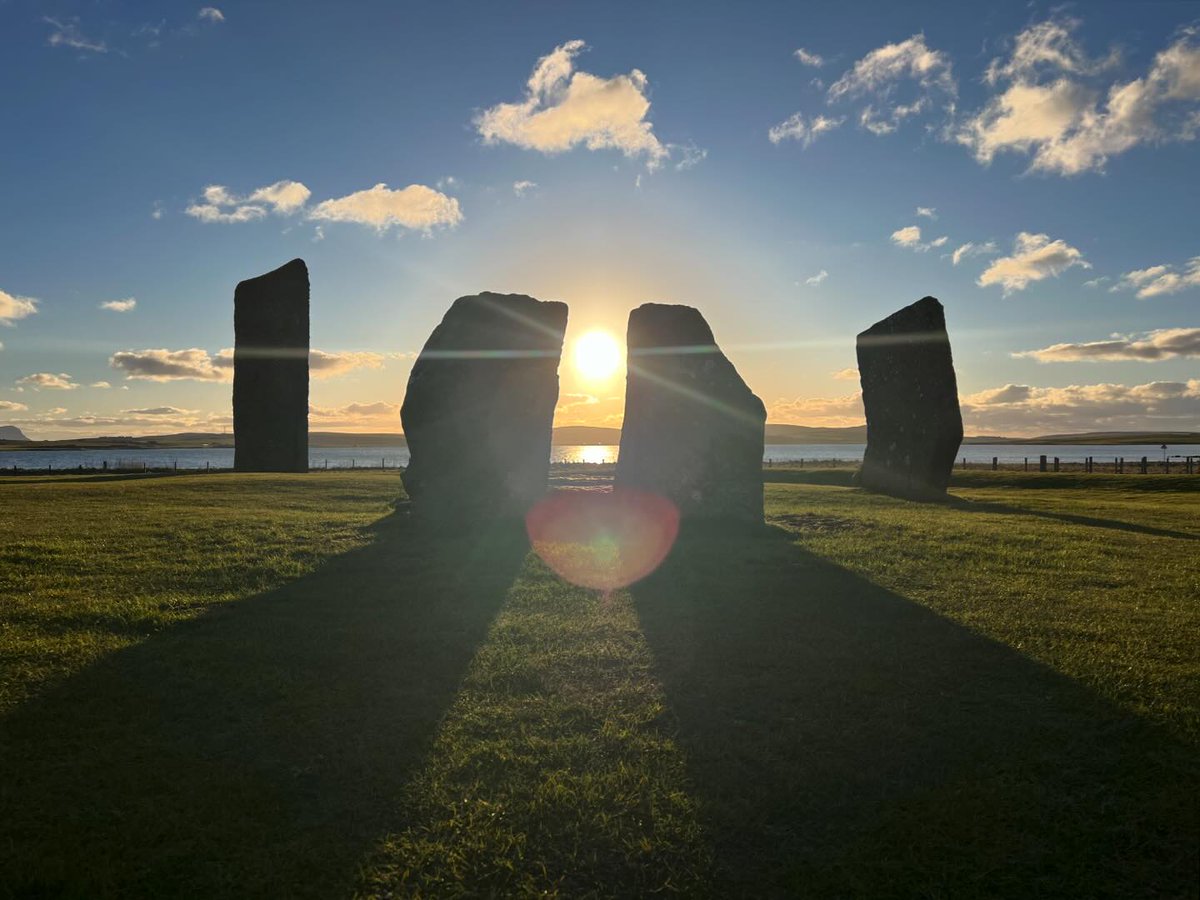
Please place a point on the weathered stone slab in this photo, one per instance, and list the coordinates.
(914, 425)
(270, 371)
(479, 407)
(693, 430)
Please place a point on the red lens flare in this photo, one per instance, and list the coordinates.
(603, 540)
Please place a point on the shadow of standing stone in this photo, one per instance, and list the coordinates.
(270, 371)
(914, 426)
(479, 408)
(693, 430)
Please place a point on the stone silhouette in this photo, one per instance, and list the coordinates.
(270, 371)
(693, 430)
(914, 426)
(479, 408)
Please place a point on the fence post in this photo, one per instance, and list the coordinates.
(1167, 465)
(1056, 464)
(995, 463)
(381, 462)
(1145, 467)
(964, 462)
(1027, 464)
(1042, 464)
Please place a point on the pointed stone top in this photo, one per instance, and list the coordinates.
(927, 314)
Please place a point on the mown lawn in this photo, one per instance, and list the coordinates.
(274, 686)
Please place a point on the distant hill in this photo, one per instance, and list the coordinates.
(11, 433)
(804, 434)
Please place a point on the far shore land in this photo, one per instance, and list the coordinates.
(583, 434)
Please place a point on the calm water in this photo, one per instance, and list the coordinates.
(394, 457)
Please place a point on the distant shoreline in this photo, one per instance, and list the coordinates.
(575, 435)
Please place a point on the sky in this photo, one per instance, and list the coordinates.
(795, 171)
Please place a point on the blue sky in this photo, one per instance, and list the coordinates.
(722, 155)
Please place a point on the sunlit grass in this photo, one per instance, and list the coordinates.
(268, 686)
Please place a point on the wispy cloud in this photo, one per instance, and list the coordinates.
(1162, 343)
(815, 280)
(195, 364)
(1156, 281)
(1035, 257)
(849, 374)
(221, 205)
(520, 188)
(210, 14)
(899, 81)
(68, 33)
(565, 108)
(928, 212)
(963, 251)
(121, 306)
(808, 58)
(797, 128)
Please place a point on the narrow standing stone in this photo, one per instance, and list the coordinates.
(693, 430)
(270, 371)
(479, 408)
(914, 425)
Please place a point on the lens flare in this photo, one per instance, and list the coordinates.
(600, 540)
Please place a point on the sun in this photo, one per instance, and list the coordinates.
(597, 355)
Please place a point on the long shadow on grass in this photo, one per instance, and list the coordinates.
(1070, 519)
(259, 750)
(844, 741)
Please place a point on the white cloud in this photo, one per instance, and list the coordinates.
(219, 205)
(325, 364)
(1163, 343)
(972, 249)
(849, 374)
(12, 406)
(521, 187)
(416, 207)
(816, 279)
(564, 108)
(1156, 281)
(102, 385)
(1055, 111)
(121, 306)
(1034, 258)
(318, 234)
(159, 411)
(928, 212)
(1096, 282)
(796, 128)
(210, 14)
(48, 381)
(13, 307)
(157, 212)
(809, 59)
(67, 33)
(1022, 409)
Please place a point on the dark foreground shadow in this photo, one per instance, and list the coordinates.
(845, 742)
(1070, 518)
(260, 750)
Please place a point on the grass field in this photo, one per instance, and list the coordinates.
(277, 686)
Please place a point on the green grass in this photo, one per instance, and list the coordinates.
(273, 686)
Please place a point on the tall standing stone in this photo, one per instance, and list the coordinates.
(270, 371)
(914, 425)
(479, 407)
(693, 430)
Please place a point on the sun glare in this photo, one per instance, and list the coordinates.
(597, 355)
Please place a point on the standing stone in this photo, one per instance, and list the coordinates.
(914, 426)
(479, 407)
(270, 371)
(693, 430)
